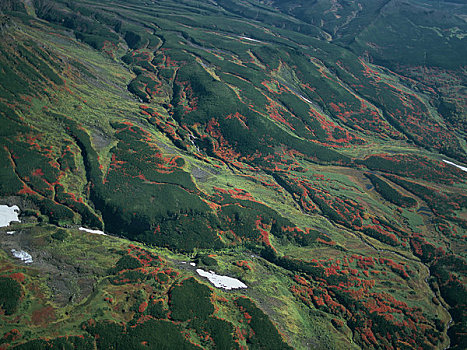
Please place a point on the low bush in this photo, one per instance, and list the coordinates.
(10, 294)
(189, 300)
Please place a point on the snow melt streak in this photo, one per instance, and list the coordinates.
(457, 166)
(21, 254)
(219, 281)
(97, 232)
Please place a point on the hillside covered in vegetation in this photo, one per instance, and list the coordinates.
(315, 151)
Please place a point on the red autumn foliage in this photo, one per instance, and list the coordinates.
(142, 307)
(43, 316)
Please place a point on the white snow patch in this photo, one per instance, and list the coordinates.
(250, 39)
(97, 232)
(10, 232)
(224, 282)
(21, 254)
(8, 214)
(305, 99)
(457, 166)
(193, 264)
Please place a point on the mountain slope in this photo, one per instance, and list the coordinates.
(300, 144)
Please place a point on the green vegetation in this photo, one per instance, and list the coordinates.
(127, 262)
(69, 342)
(60, 235)
(390, 193)
(156, 334)
(264, 336)
(295, 145)
(10, 294)
(190, 299)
